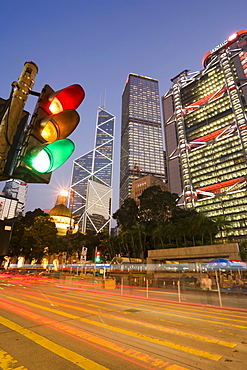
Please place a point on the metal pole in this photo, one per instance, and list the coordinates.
(95, 253)
(179, 293)
(147, 287)
(218, 287)
(10, 121)
(121, 285)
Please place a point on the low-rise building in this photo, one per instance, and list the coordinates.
(144, 182)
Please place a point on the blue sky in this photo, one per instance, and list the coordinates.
(97, 44)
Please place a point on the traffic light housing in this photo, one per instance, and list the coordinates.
(97, 257)
(45, 146)
(13, 119)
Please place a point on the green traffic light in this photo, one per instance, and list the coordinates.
(52, 156)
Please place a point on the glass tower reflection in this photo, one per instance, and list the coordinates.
(91, 183)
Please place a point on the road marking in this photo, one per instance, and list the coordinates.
(152, 326)
(190, 311)
(63, 352)
(162, 342)
(99, 342)
(166, 307)
(155, 291)
(7, 362)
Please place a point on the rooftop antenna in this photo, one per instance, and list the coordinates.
(105, 100)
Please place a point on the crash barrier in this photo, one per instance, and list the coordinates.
(226, 289)
(184, 289)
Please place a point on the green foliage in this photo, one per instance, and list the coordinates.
(39, 239)
(127, 215)
(243, 250)
(157, 205)
(160, 223)
(33, 235)
(157, 223)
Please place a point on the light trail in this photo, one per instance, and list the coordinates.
(95, 341)
(128, 332)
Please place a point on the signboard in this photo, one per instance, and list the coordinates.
(83, 254)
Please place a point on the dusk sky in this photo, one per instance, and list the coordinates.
(96, 44)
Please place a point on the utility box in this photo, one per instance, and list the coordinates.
(109, 283)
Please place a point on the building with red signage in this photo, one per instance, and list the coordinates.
(206, 136)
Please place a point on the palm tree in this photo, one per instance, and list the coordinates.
(222, 224)
(141, 233)
(170, 232)
(158, 234)
(180, 231)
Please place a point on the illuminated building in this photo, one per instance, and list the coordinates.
(206, 136)
(144, 182)
(62, 216)
(91, 183)
(8, 207)
(16, 189)
(142, 150)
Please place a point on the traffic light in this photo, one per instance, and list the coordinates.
(97, 257)
(13, 119)
(45, 146)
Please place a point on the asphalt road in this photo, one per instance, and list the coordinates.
(44, 326)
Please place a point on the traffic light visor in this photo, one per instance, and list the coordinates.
(60, 125)
(68, 98)
(52, 156)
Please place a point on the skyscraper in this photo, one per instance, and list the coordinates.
(91, 183)
(16, 189)
(206, 136)
(142, 150)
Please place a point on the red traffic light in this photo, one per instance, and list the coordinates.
(97, 256)
(45, 146)
(68, 98)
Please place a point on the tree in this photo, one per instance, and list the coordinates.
(127, 215)
(140, 230)
(18, 245)
(158, 234)
(157, 205)
(243, 250)
(221, 224)
(106, 246)
(15, 245)
(30, 216)
(39, 239)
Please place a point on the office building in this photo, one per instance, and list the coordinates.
(91, 183)
(206, 136)
(16, 189)
(142, 150)
(8, 207)
(144, 182)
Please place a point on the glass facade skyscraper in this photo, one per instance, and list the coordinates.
(142, 150)
(91, 183)
(206, 136)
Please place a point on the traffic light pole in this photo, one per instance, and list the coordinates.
(13, 114)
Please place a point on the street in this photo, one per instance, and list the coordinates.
(44, 325)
